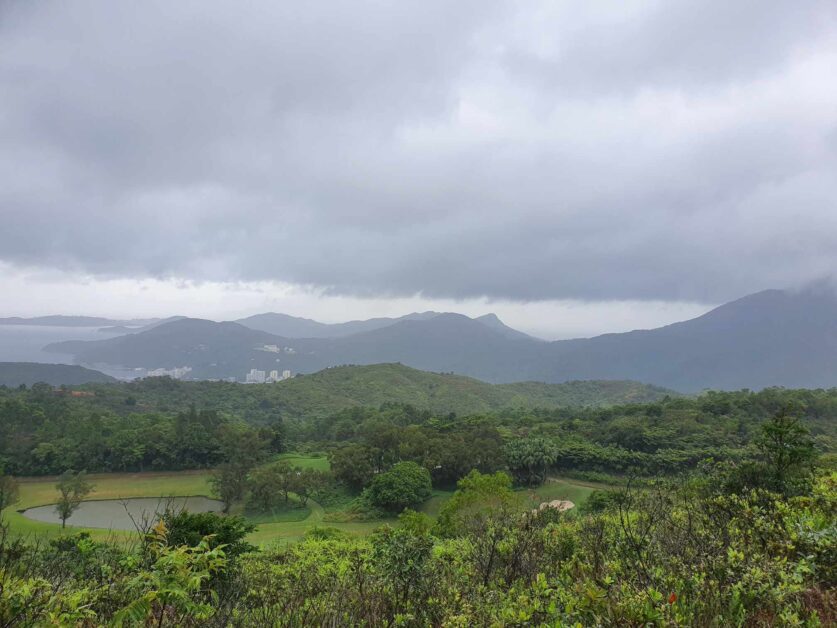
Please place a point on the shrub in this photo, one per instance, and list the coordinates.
(405, 484)
(185, 528)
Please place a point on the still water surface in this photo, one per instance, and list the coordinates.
(116, 514)
(25, 343)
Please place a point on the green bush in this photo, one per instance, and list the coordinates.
(189, 529)
(405, 484)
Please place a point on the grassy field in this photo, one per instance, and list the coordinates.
(555, 488)
(318, 463)
(281, 527)
(293, 512)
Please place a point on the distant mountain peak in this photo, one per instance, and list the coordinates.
(289, 326)
(493, 321)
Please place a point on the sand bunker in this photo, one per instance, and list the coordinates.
(560, 505)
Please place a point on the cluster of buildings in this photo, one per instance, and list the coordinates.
(179, 372)
(256, 376)
(277, 349)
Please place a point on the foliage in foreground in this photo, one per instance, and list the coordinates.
(688, 555)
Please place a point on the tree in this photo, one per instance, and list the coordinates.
(267, 483)
(405, 484)
(352, 465)
(786, 448)
(271, 481)
(228, 483)
(274, 434)
(243, 446)
(600, 501)
(309, 482)
(529, 459)
(401, 556)
(8, 491)
(72, 488)
(478, 497)
(264, 486)
(243, 449)
(484, 509)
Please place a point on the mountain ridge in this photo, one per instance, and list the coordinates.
(770, 338)
(296, 327)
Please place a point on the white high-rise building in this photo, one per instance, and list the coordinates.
(286, 374)
(274, 376)
(255, 376)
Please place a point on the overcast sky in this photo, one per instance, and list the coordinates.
(577, 167)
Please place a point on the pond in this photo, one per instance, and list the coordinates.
(120, 514)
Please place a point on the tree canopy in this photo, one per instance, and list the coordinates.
(405, 484)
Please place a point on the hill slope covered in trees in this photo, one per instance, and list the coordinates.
(338, 388)
(28, 373)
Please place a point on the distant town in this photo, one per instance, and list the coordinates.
(277, 349)
(179, 372)
(255, 376)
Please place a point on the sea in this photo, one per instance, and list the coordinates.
(25, 343)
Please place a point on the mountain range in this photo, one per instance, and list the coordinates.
(774, 337)
(295, 327)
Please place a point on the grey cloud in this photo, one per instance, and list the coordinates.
(678, 43)
(662, 151)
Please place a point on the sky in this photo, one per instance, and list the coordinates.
(575, 167)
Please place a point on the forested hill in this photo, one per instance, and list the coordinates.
(337, 388)
(14, 374)
(381, 383)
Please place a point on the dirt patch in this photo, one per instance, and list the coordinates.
(561, 505)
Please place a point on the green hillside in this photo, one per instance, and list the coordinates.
(582, 393)
(14, 374)
(342, 387)
(334, 388)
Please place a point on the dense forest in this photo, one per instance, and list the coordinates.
(13, 374)
(336, 388)
(44, 431)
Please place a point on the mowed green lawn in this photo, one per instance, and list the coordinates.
(318, 463)
(567, 490)
(288, 528)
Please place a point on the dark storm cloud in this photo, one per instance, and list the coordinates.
(528, 151)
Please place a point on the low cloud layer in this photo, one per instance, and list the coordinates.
(535, 151)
